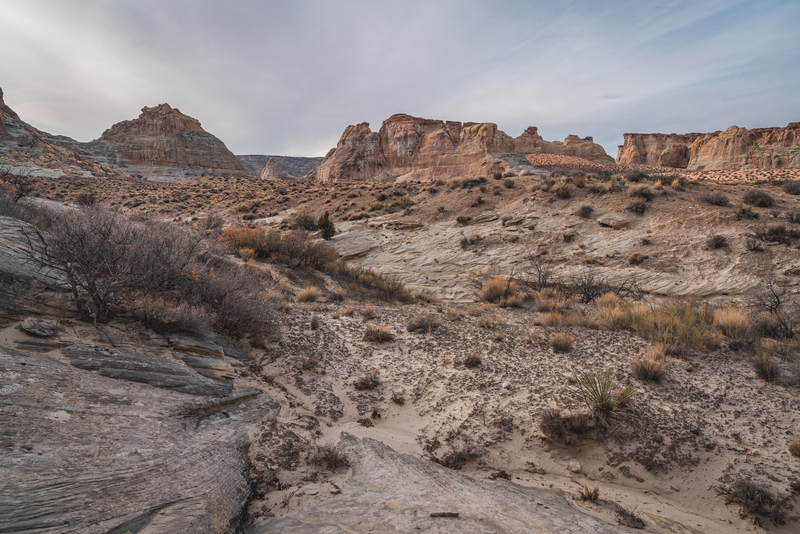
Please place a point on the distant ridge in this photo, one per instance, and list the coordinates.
(294, 166)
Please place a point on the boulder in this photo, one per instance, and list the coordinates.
(39, 327)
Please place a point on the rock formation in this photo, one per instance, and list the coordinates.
(162, 136)
(293, 165)
(273, 171)
(413, 147)
(735, 148)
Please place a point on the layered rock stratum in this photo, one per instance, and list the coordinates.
(292, 165)
(735, 148)
(162, 136)
(412, 147)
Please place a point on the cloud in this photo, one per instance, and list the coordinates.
(287, 77)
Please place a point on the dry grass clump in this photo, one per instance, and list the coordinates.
(496, 288)
(424, 324)
(563, 427)
(652, 366)
(309, 294)
(589, 494)
(331, 458)
(368, 381)
(641, 191)
(486, 321)
(294, 248)
(604, 398)
(368, 281)
(794, 446)
(452, 314)
(562, 342)
(378, 334)
(514, 301)
(368, 313)
(764, 364)
(734, 323)
(549, 300)
(478, 309)
(559, 319)
(757, 502)
(744, 211)
(628, 518)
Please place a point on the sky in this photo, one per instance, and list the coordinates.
(286, 77)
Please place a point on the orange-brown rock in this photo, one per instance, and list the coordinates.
(735, 148)
(409, 147)
(162, 136)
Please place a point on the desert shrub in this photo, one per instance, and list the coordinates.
(637, 259)
(459, 454)
(794, 446)
(598, 189)
(563, 427)
(309, 293)
(562, 342)
(584, 211)
(793, 217)
(568, 237)
(589, 494)
(759, 198)
(452, 314)
(165, 317)
(716, 199)
(463, 220)
(754, 245)
(636, 176)
(331, 458)
(377, 334)
(549, 299)
(561, 190)
(496, 288)
(652, 366)
(777, 232)
(744, 211)
(367, 381)
(295, 248)
(374, 284)
(677, 326)
(602, 396)
(678, 184)
(638, 207)
(472, 361)
(756, 501)
(511, 301)
(509, 183)
(16, 184)
(734, 323)
(628, 518)
(765, 366)
(793, 188)
(716, 241)
(304, 221)
(424, 324)
(578, 181)
(641, 191)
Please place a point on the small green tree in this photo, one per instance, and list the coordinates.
(326, 226)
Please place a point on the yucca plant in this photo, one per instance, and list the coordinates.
(600, 393)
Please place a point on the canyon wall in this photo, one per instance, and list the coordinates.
(409, 147)
(735, 148)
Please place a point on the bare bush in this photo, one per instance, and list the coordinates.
(367, 381)
(759, 198)
(496, 288)
(295, 248)
(331, 458)
(378, 334)
(716, 199)
(714, 242)
(424, 324)
(756, 502)
(563, 427)
(793, 188)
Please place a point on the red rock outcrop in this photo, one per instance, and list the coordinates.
(162, 136)
(735, 148)
(413, 147)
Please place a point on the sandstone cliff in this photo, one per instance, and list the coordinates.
(735, 148)
(162, 136)
(413, 147)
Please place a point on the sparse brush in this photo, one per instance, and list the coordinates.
(794, 446)
(639, 207)
(478, 309)
(759, 198)
(716, 199)
(641, 191)
(309, 294)
(716, 241)
(458, 455)
(367, 381)
(600, 393)
(563, 427)
(734, 323)
(678, 184)
(756, 501)
(636, 176)
(452, 314)
(628, 518)
(424, 324)
(549, 300)
(589, 494)
(765, 366)
(377, 334)
(561, 190)
(793, 188)
(744, 211)
(331, 458)
(637, 259)
(562, 342)
(512, 301)
(652, 366)
(496, 288)
(584, 211)
(486, 321)
(754, 245)
(712, 340)
(368, 313)
(472, 361)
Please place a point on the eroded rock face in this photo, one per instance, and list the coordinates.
(413, 147)
(273, 171)
(162, 136)
(735, 148)
(392, 492)
(93, 454)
